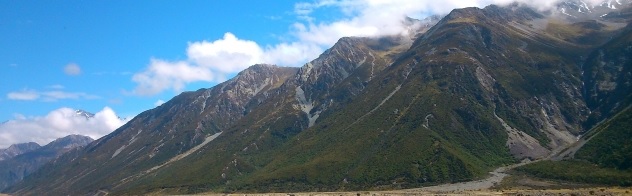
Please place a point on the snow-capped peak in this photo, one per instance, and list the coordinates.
(84, 113)
(583, 9)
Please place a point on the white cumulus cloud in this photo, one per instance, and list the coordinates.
(162, 75)
(56, 124)
(214, 61)
(226, 55)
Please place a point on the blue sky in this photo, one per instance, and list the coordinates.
(110, 41)
(119, 58)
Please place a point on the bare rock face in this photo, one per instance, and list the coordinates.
(608, 76)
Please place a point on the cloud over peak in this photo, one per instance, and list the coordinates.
(215, 61)
(56, 124)
(226, 55)
(162, 75)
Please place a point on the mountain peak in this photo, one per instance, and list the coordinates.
(259, 67)
(27, 145)
(70, 141)
(512, 12)
(344, 43)
(17, 149)
(84, 113)
(264, 65)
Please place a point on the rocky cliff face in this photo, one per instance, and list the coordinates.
(16, 168)
(481, 88)
(608, 77)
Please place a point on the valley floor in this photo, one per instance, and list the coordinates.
(498, 183)
(578, 191)
(495, 178)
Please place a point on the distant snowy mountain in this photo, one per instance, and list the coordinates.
(30, 157)
(90, 115)
(84, 113)
(583, 10)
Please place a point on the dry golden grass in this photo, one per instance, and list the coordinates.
(578, 191)
(464, 20)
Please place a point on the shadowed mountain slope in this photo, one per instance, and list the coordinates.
(17, 168)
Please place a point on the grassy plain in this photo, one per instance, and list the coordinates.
(576, 191)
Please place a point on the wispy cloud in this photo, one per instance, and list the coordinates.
(57, 123)
(274, 17)
(56, 86)
(24, 95)
(72, 69)
(52, 95)
(57, 95)
(105, 73)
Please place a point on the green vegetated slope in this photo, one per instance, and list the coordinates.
(612, 146)
(428, 118)
(260, 135)
(609, 70)
(578, 171)
(607, 157)
(369, 113)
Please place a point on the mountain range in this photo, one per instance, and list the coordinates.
(28, 157)
(469, 92)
